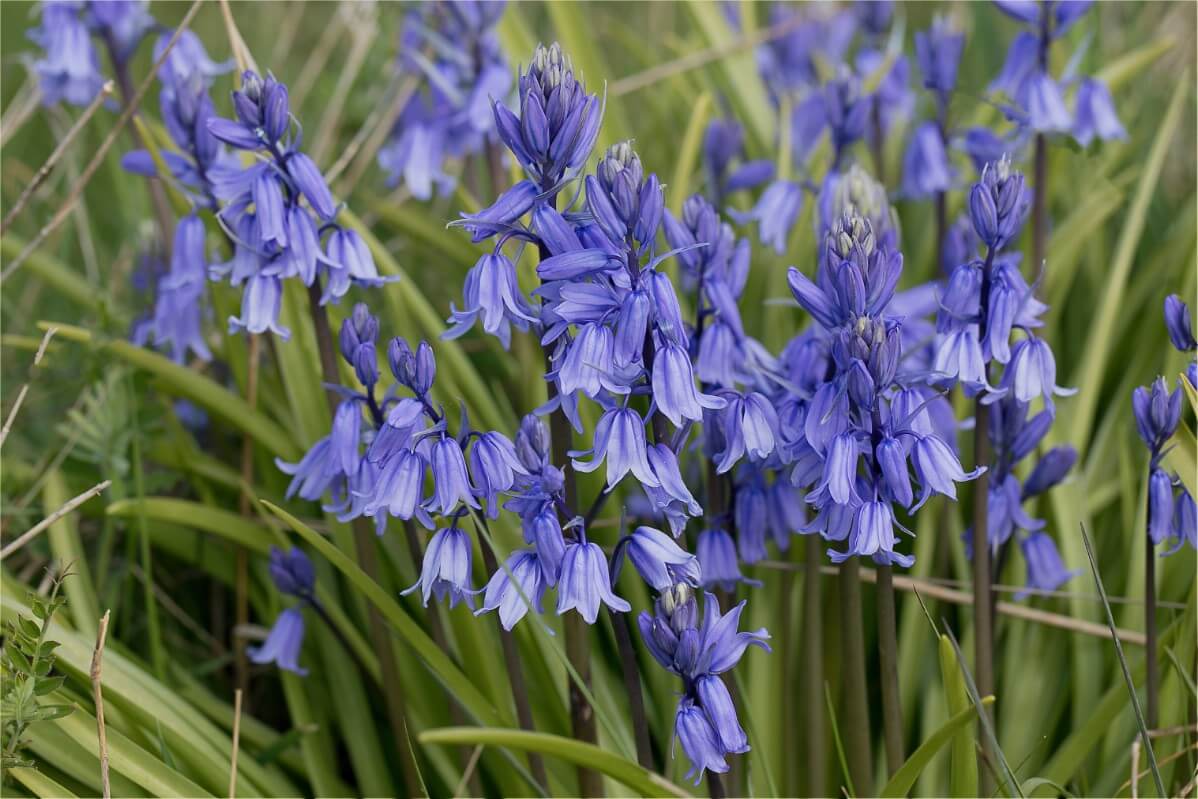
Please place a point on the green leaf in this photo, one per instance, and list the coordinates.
(1127, 66)
(1182, 456)
(128, 758)
(577, 36)
(688, 152)
(907, 773)
(740, 70)
(642, 781)
(55, 273)
(455, 682)
(1131, 685)
(39, 784)
(963, 766)
(1105, 328)
(192, 385)
(1030, 785)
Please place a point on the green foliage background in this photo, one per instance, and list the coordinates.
(158, 547)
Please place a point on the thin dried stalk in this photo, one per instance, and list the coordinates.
(648, 77)
(40, 176)
(98, 697)
(936, 591)
(378, 137)
(34, 531)
(16, 406)
(362, 33)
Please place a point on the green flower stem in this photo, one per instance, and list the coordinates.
(856, 708)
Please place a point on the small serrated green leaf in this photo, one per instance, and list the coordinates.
(52, 712)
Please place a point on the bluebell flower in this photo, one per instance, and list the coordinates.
(723, 144)
(446, 568)
(1157, 413)
(791, 62)
(1050, 470)
(451, 483)
(400, 487)
(179, 310)
(620, 441)
(187, 64)
(982, 145)
(674, 389)
(494, 465)
(775, 213)
(998, 204)
(1096, 116)
(699, 740)
(1177, 322)
(260, 304)
(926, 169)
(938, 51)
(292, 572)
(1185, 522)
(1032, 372)
(416, 370)
(69, 68)
(544, 531)
(585, 582)
(313, 474)
(1160, 505)
(659, 560)
(672, 498)
(1045, 571)
(292, 206)
(1055, 16)
(750, 427)
(558, 121)
(282, 646)
(718, 564)
(514, 587)
(717, 704)
(123, 23)
(491, 291)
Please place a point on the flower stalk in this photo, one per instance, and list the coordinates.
(892, 713)
(813, 668)
(855, 698)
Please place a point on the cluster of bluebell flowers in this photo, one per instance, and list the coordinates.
(865, 430)
(1157, 411)
(451, 51)
(1037, 100)
(69, 67)
(985, 302)
(275, 235)
(699, 647)
(179, 311)
(610, 322)
(293, 575)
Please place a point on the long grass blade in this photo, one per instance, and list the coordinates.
(1131, 686)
